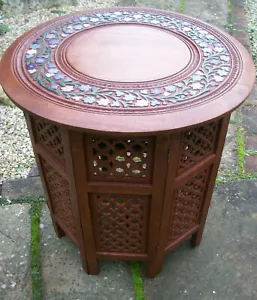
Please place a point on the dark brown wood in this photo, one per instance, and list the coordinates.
(59, 232)
(156, 210)
(127, 125)
(181, 239)
(79, 185)
(171, 163)
(197, 237)
(119, 188)
(68, 149)
(44, 154)
(109, 53)
(121, 256)
(40, 101)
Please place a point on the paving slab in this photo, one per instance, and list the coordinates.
(34, 172)
(214, 12)
(126, 3)
(172, 5)
(64, 278)
(228, 162)
(249, 123)
(250, 165)
(15, 282)
(23, 187)
(224, 266)
(238, 3)
(251, 143)
(252, 99)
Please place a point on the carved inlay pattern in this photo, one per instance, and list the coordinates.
(120, 222)
(214, 74)
(197, 143)
(120, 159)
(48, 135)
(187, 206)
(58, 189)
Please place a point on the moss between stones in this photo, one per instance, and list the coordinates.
(21, 200)
(137, 281)
(35, 251)
(181, 6)
(240, 151)
(58, 11)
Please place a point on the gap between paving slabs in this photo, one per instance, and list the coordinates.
(35, 250)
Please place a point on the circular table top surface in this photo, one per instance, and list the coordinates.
(127, 70)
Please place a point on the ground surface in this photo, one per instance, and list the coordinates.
(224, 267)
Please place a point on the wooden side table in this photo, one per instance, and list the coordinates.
(127, 111)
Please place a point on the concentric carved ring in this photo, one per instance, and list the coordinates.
(207, 73)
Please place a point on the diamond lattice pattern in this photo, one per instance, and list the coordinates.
(60, 197)
(197, 144)
(49, 136)
(120, 222)
(187, 206)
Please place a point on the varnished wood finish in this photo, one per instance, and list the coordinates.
(82, 201)
(54, 109)
(126, 129)
(197, 237)
(59, 232)
(127, 53)
(159, 181)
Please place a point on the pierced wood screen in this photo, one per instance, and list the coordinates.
(60, 197)
(120, 222)
(197, 143)
(119, 159)
(187, 206)
(49, 136)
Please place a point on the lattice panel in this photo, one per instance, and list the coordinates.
(197, 144)
(187, 206)
(60, 197)
(49, 136)
(121, 222)
(120, 159)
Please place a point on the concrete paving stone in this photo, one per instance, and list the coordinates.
(251, 143)
(238, 3)
(214, 12)
(64, 278)
(15, 282)
(252, 99)
(224, 266)
(127, 3)
(23, 187)
(249, 114)
(250, 165)
(172, 5)
(229, 155)
(34, 171)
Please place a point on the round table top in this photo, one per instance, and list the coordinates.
(127, 70)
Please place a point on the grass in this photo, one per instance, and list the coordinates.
(181, 6)
(240, 151)
(35, 251)
(229, 26)
(58, 11)
(137, 281)
(21, 200)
